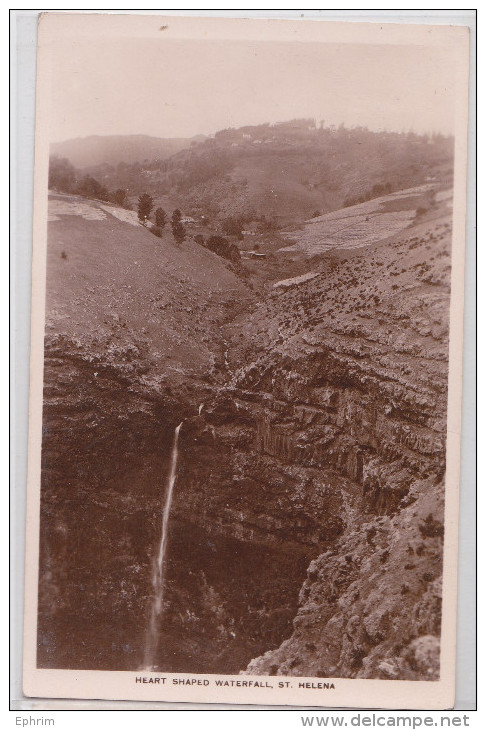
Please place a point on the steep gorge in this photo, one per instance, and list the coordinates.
(333, 438)
(307, 514)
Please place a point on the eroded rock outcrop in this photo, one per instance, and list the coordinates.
(371, 606)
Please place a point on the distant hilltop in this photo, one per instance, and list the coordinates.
(96, 150)
(286, 173)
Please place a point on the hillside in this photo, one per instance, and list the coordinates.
(292, 172)
(89, 152)
(359, 225)
(135, 300)
(283, 173)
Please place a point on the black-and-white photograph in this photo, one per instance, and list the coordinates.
(245, 362)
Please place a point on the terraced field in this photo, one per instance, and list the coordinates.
(363, 224)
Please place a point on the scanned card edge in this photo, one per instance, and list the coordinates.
(37, 357)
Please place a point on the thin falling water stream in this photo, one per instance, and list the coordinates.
(158, 565)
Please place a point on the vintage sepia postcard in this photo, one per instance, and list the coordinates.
(245, 407)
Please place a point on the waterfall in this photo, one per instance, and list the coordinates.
(158, 564)
(200, 408)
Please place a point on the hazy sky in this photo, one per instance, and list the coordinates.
(178, 88)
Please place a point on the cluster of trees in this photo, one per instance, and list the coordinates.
(64, 178)
(178, 230)
(375, 192)
(145, 207)
(189, 169)
(233, 226)
(220, 246)
(62, 175)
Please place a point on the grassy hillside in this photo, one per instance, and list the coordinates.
(133, 296)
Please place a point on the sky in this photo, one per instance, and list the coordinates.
(174, 87)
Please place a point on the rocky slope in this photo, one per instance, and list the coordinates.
(354, 378)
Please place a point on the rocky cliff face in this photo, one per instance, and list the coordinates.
(307, 517)
(371, 606)
(364, 394)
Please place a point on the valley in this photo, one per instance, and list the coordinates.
(306, 527)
